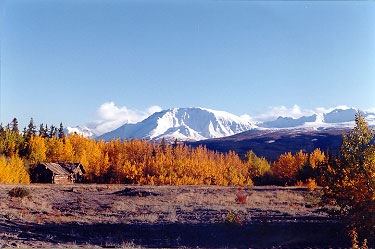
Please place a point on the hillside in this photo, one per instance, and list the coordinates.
(271, 143)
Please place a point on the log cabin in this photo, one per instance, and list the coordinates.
(59, 173)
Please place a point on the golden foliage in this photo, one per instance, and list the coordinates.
(287, 166)
(12, 170)
(257, 167)
(141, 162)
(316, 158)
(350, 180)
(37, 149)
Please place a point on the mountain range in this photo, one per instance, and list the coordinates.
(222, 131)
(196, 124)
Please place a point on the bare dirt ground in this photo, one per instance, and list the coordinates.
(166, 216)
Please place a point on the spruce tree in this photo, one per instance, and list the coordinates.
(175, 144)
(15, 125)
(46, 131)
(61, 131)
(2, 131)
(41, 130)
(52, 131)
(163, 146)
(31, 129)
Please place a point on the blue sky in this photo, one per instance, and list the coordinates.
(64, 60)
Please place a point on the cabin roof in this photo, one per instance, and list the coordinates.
(63, 168)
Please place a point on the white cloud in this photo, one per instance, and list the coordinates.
(153, 109)
(247, 118)
(112, 117)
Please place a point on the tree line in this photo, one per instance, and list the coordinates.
(143, 162)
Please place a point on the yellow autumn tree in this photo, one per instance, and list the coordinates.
(286, 168)
(316, 158)
(257, 167)
(12, 170)
(37, 149)
(350, 180)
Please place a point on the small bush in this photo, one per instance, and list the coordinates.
(311, 184)
(19, 192)
(232, 218)
(299, 183)
(355, 244)
(241, 199)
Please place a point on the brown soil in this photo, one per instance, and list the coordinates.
(166, 216)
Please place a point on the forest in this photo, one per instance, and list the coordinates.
(144, 162)
(347, 179)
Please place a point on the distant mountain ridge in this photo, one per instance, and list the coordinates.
(337, 118)
(194, 124)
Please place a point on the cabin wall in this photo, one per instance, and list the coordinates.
(77, 176)
(41, 175)
(62, 179)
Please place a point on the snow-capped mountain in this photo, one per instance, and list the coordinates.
(80, 130)
(201, 123)
(337, 118)
(183, 124)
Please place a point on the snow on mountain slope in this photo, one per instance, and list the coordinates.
(201, 123)
(183, 124)
(287, 122)
(337, 118)
(80, 130)
(340, 116)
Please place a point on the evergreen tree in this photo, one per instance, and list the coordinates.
(61, 131)
(174, 145)
(52, 131)
(27, 134)
(46, 131)
(24, 132)
(15, 125)
(163, 146)
(31, 129)
(42, 131)
(2, 132)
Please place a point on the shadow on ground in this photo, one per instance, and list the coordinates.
(259, 234)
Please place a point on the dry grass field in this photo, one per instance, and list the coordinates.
(166, 216)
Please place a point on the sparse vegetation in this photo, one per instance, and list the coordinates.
(53, 216)
(233, 218)
(240, 198)
(19, 192)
